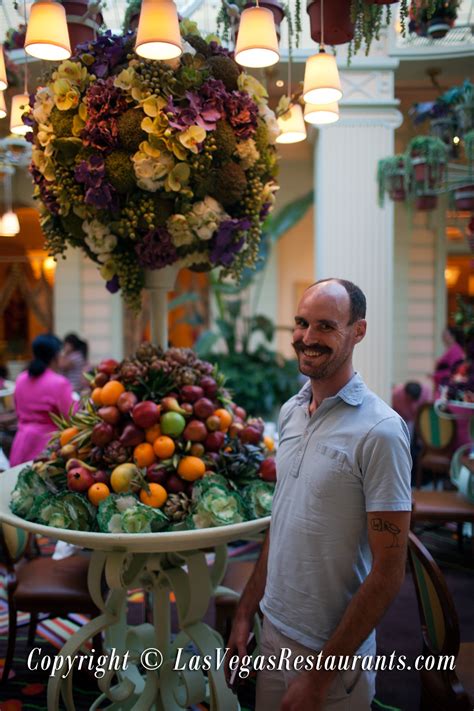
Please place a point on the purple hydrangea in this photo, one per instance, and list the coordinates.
(156, 250)
(102, 135)
(242, 113)
(218, 49)
(108, 52)
(224, 244)
(204, 108)
(46, 190)
(103, 100)
(99, 192)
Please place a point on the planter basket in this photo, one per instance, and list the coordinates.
(82, 26)
(464, 198)
(465, 116)
(426, 202)
(431, 176)
(395, 185)
(438, 27)
(338, 28)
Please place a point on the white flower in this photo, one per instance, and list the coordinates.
(272, 124)
(195, 258)
(151, 171)
(99, 239)
(268, 193)
(44, 103)
(248, 83)
(178, 228)
(248, 153)
(205, 217)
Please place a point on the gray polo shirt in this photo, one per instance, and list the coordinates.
(350, 457)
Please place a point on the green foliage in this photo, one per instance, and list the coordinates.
(432, 149)
(387, 169)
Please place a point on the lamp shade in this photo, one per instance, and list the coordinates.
(257, 41)
(47, 35)
(321, 79)
(9, 224)
(3, 106)
(292, 125)
(321, 114)
(3, 71)
(20, 102)
(158, 35)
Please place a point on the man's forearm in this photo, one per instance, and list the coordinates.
(255, 587)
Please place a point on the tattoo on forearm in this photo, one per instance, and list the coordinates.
(380, 526)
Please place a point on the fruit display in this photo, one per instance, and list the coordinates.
(157, 445)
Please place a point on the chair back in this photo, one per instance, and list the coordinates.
(14, 542)
(436, 433)
(439, 620)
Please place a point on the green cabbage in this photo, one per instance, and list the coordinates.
(28, 488)
(123, 513)
(258, 497)
(67, 509)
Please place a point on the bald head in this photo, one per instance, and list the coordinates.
(356, 297)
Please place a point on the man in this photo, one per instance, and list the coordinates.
(334, 558)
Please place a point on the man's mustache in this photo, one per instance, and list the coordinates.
(299, 346)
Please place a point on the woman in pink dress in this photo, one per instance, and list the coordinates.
(453, 356)
(39, 391)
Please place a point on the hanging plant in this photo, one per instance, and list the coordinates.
(428, 156)
(434, 20)
(462, 98)
(15, 38)
(393, 177)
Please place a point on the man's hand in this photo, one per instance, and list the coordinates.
(237, 643)
(305, 693)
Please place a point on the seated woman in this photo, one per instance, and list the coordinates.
(39, 391)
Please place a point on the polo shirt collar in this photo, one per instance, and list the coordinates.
(352, 393)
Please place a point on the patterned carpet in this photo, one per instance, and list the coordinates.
(399, 631)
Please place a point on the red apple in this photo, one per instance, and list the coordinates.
(214, 441)
(250, 435)
(109, 366)
(187, 407)
(203, 408)
(127, 402)
(197, 450)
(109, 414)
(146, 414)
(191, 393)
(235, 428)
(213, 423)
(241, 413)
(102, 434)
(175, 484)
(195, 431)
(209, 386)
(100, 380)
(101, 477)
(267, 469)
(132, 435)
(157, 474)
(79, 479)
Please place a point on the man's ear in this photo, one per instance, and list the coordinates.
(360, 329)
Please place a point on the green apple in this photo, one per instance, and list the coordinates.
(172, 424)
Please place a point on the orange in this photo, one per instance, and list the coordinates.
(67, 435)
(191, 468)
(152, 433)
(96, 396)
(143, 455)
(156, 497)
(111, 392)
(164, 447)
(225, 417)
(269, 443)
(97, 493)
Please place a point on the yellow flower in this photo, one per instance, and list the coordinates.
(73, 72)
(178, 177)
(192, 137)
(66, 96)
(108, 270)
(153, 106)
(126, 79)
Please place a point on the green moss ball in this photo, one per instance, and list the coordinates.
(62, 122)
(225, 69)
(119, 171)
(230, 184)
(130, 130)
(225, 140)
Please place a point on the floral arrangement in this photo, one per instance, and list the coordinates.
(159, 444)
(144, 164)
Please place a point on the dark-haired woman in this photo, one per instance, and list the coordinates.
(73, 361)
(39, 391)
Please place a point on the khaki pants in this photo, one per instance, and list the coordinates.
(352, 690)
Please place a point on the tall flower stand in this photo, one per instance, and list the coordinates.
(160, 563)
(159, 282)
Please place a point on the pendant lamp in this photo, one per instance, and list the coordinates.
(158, 35)
(321, 114)
(9, 224)
(3, 106)
(3, 72)
(47, 36)
(292, 125)
(321, 77)
(257, 41)
(20, 103)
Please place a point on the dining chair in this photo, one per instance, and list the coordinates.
(38, 584)
(436, 435)
(443, 688)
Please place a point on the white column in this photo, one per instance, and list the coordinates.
(354, 236)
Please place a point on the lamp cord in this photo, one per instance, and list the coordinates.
(25, 88)
(321, 44)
